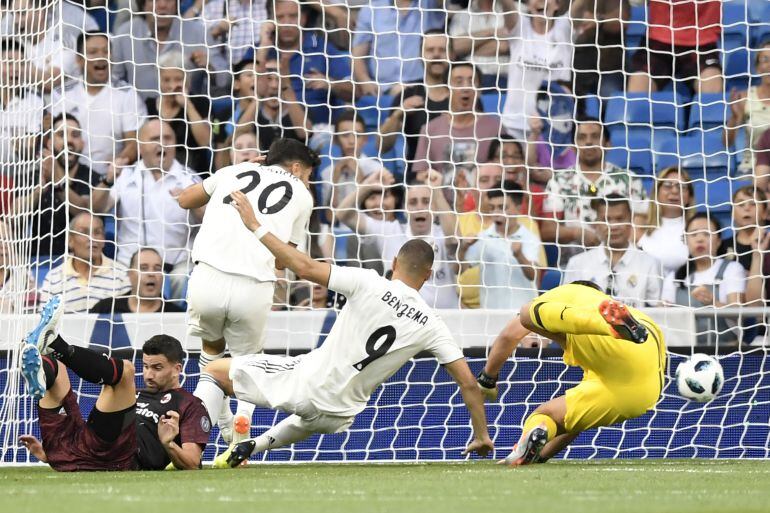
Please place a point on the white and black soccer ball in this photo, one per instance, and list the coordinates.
(700, 378)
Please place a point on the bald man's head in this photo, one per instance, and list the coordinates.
(157, 144)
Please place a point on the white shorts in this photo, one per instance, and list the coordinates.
(229, 306)
(271, 381)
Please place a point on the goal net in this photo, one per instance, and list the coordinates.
(531, 143)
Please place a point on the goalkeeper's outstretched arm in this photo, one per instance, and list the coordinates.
(502, 349)
(305, 267)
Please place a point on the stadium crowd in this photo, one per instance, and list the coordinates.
(488, 128)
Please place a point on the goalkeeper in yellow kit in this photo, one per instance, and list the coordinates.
(620, 349)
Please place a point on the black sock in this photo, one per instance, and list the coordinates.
(51, 369)
(90, 366)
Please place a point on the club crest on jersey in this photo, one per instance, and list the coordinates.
(205, 424)
(166, 398)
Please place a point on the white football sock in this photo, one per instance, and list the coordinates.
(246, 410)
(212, 395)
(286, 432)
(224, 418)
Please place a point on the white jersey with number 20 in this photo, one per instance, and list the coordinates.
(382, 326)
(281, 203)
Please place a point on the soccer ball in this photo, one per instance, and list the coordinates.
(699, 378)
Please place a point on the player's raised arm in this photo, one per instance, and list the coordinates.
(304, 266)
(502, 348)
(474, 401)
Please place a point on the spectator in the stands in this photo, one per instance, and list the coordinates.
(87, 275)
(682, 44)
(146, 207)
(541, 50)
(567, 207)
(479, 35)
(750, 109)
(617, 265)
(457, 141)
(749, 214)
(188, 115)
(234, 25)
(16, 284)
(109, 113)
(67, 186)
(345, 172)
(510, 154)
(21, 111)
(320, 73)
(279, 113)
(245, 147)
(600, 48)
(49, 30)
(419, 103)
(551, 134)
(762, 168)
(156, 28)
(423, 202)
(507, 254)
(386, 43)
(707, 279)
(146, 296)
(671, 206)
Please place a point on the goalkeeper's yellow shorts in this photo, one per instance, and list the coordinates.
(621, 380)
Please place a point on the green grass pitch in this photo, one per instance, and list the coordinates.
(651, 486)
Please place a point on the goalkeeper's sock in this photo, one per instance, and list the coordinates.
(51, 370)
(569, 318)
(211, 394)
(89, 365)
(537, 419)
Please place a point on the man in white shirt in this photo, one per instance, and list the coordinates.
(21, 111)
(231, 288)
(86, 276)
(146, 208)
(109, 114)
(49, 30)
(507, 253)
(383, 324)
(422, 201)
(567, 209)
(617, 267)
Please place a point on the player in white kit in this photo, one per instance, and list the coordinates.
(231, 288)
(383, 324)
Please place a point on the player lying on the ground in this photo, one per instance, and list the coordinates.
(163, 424)
(231, 288)
(383, 324)
(620, 349)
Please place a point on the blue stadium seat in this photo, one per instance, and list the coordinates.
(630, 147)
(493, 102)
(709, 110)
(636, 29)
(715, 194)
(738, 68)
(551, 280)
(593, 106)
(697, 152)
(735, 27)
(40, 266)
(663, 108)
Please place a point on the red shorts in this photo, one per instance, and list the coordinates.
(72, 444)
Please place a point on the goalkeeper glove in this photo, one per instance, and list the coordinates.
(487, 385)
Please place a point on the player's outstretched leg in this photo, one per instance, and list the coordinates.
(290, 430)
(36, 344)
(611, 318)
(541, 427)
